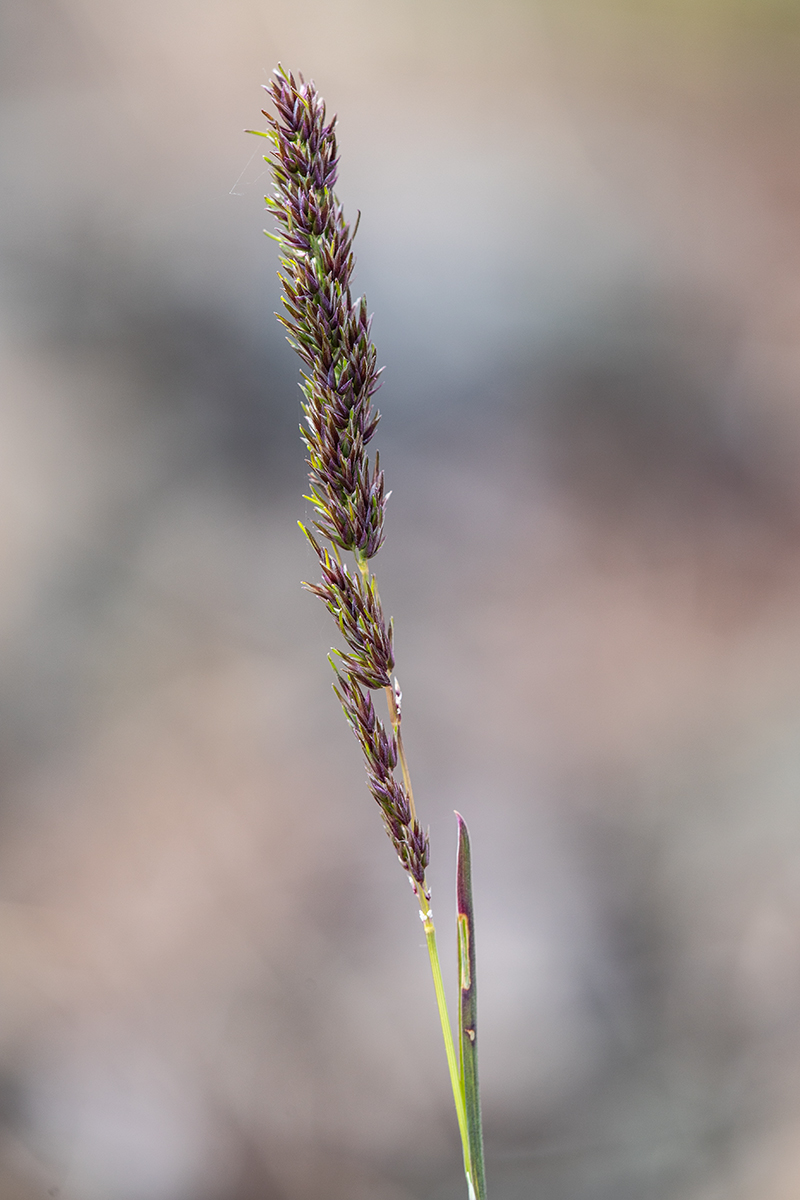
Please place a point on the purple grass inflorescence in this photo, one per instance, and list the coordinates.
(331, 333)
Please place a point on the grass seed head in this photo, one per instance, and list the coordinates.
(331, 332)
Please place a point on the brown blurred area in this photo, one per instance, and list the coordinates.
(580, 236)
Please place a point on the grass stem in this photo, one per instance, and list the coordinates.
(449, 1046)
(331, 332)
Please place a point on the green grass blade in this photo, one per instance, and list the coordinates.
(467, 1010)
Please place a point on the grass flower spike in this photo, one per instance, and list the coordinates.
(330, 330)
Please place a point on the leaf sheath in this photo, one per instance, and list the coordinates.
(468, 1010)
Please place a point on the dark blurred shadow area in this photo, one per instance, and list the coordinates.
(580, 236)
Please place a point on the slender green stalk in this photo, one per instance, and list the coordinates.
(450, 1050)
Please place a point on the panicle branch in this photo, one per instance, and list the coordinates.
(327, 327)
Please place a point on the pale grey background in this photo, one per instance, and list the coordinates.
(580, 236)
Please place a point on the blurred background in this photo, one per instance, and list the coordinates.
(580, 237)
